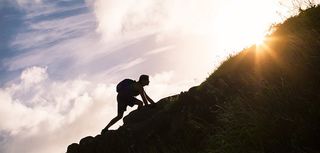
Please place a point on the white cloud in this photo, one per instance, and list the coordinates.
(166, 84)
(129, 16)
(131, 64)
(34, 75)
(29, 6)
(49, 31)
(28, 3)
(160, 50)
(65, 111)
(121, 17)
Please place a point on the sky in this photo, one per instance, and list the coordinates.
(61, 60)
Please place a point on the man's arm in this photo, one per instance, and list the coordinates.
(139, 88)
(148, 98)
(144, 99)
(143, 96)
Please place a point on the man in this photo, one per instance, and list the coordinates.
(127, 90)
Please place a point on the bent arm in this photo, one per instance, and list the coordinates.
(148, 98)
(141, 93)
(144, 98)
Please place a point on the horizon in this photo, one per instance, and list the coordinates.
(61, 61)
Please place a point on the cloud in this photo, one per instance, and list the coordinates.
(131, 64)
(28, 3)
(34, 75)
(159, 50)
(161, 83)
(29, 6)
(156, 16)
(126, 16)
(58, 109)
(64, 111)
(53, 40)
(46, 32)
(68, 43)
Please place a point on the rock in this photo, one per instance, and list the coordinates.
(73, 148)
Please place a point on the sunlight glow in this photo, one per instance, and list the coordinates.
(244, 23)
(260, 41)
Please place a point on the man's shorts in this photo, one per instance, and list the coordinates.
(125, 100)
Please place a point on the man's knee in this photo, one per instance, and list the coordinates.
(120, 115)
(139, 103)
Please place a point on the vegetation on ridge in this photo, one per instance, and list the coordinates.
(273, 98)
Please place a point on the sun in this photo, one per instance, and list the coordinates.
(259, 41)
(244, 23)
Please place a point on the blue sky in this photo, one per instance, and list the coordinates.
(16, 26)
(60, 60)
(10, 22)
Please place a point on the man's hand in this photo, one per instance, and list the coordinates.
(153, 105)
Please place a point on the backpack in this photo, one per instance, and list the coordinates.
(125, 85)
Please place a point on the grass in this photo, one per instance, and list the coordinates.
(272, 98)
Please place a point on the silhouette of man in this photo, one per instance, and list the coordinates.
(126, 96)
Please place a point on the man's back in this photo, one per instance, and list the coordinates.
(128, 86)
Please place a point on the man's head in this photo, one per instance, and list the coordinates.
(144, 80)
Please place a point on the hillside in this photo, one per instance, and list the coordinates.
(266, 99)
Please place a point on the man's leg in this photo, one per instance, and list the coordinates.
(138, 102)
(116, 119)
